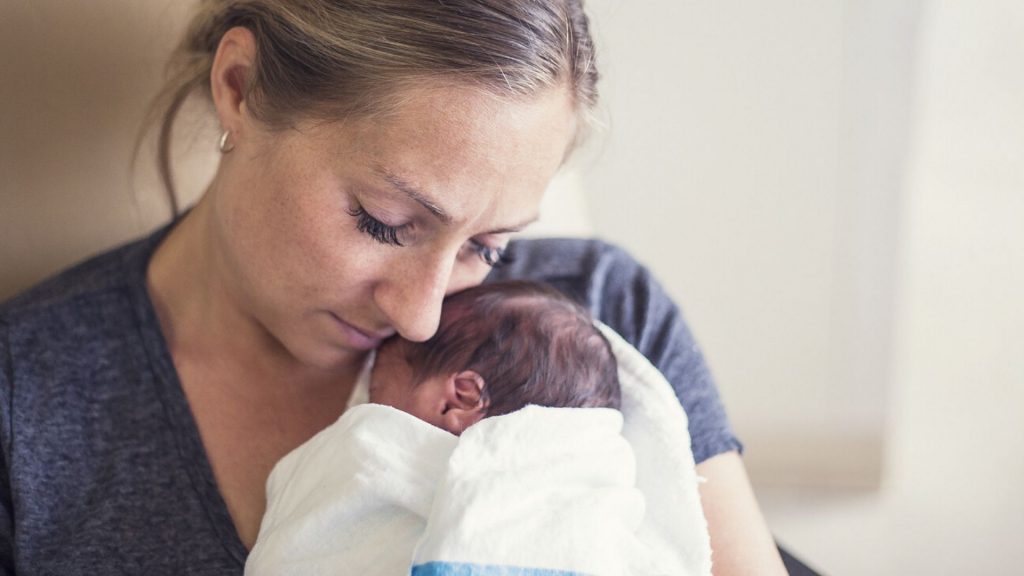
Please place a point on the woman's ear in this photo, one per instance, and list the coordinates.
(465, 403)
(232, 68)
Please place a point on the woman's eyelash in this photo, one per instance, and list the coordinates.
(385, 234)
(493, 257)
(376, 229)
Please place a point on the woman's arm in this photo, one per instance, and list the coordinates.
(740, 541)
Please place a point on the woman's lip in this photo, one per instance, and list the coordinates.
(359, 338)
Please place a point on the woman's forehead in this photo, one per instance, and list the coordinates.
(448, 146)
(470, 127)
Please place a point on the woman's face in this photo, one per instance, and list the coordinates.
(333, 236)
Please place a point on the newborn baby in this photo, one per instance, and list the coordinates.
(400, 483)
(498, 348)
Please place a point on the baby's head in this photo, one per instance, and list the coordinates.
(499, 347)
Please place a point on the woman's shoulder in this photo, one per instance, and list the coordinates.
(563, 259)
(605, 279)
(91, 280)
(76, 320)
(75, 338)
(623, 294)
(601, 276)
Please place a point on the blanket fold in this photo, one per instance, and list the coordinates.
(541, 488)
(354, 498)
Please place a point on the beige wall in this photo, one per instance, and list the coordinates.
(953, 498)
(76, 79)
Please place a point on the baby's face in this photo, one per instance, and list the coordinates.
(392, 383)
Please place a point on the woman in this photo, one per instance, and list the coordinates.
(376, 156)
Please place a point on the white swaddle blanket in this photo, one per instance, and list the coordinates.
(542, 491)
(541, 488)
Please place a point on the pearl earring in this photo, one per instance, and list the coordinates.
(224, 146)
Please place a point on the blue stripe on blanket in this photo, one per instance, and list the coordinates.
(459, 569)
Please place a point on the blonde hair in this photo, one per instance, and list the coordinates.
(330, 59)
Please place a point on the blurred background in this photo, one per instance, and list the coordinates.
(831, 189)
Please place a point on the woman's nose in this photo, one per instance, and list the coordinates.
(412, 294)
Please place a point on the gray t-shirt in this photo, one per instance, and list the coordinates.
(104, 471)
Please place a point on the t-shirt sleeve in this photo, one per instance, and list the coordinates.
(6, 510)
(623, 294)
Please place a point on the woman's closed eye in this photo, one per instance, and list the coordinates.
(492, 256)
(379, 231)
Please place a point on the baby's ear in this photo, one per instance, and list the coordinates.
(465, 404)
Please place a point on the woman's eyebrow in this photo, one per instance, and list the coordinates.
(412, 192)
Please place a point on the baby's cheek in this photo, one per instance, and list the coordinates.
(427, 403)
(379, 393)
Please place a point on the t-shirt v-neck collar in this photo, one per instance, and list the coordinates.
(181, 423)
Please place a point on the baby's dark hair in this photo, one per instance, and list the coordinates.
(529, 342)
